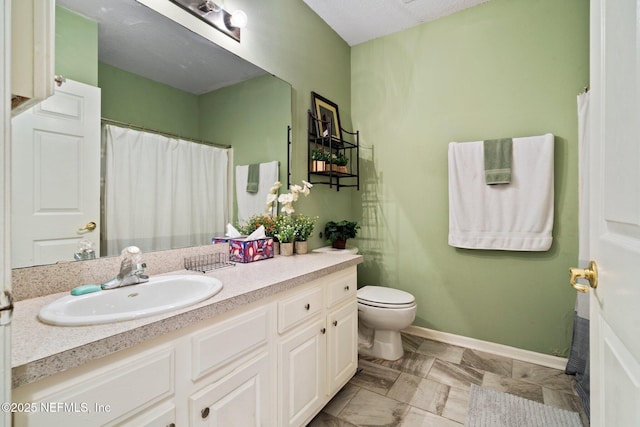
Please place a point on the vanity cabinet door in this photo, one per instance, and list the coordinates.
(342, 347)
(32, 52)
(112, 394)
(242, 398)
(302, 370)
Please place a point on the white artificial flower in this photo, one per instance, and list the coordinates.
(286, 198)
(305, 191)
(287, 208)
(276, 186)
(307, 184)
(295, 190)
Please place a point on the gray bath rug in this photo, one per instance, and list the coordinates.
(490, 408)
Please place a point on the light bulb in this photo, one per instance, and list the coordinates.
(239, 19)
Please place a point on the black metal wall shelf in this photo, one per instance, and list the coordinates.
(327, 153)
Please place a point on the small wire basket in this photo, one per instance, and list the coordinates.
(208, 262)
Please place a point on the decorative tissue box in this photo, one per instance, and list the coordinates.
(242, 250)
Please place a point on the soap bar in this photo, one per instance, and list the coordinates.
(85, 289)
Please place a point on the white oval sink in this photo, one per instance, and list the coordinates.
(158, 295)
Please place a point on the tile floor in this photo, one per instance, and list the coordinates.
(430, 386)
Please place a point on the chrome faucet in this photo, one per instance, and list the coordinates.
(131, 270)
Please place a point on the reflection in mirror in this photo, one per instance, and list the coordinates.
(154, 74)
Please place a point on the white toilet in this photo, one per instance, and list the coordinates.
(382, 313)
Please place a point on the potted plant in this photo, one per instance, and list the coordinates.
(340, 163)
(255, 222)
(285, 233)
(337, 233)
(318, 159)
(304, 227)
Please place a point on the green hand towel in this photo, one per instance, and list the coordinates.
(497, 161)
(253, 178)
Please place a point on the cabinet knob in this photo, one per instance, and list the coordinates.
(307, 306)
(204, 413)
(323, 330)
(335, 323)
(346, 288)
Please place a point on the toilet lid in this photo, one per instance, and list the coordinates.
(381, 295)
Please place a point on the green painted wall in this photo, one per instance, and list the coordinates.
(252, 117)
(288, 40)
(507, 67)
(130, 98)
(76, 47)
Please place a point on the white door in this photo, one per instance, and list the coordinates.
(615, 212)
(55, 190)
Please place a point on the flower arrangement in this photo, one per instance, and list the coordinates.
(272, 197)
(288, 227)
(285, 229)
(304, 226)
(287, 199)
(256, 221)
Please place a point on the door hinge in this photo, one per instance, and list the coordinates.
(6, 308)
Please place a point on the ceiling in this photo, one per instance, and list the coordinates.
(358, 21)
(137, 39)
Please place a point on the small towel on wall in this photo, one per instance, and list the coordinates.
(254, 203)
(253, 178)
(497, 161)
(514, 217)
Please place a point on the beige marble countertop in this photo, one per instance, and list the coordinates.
(40, 350)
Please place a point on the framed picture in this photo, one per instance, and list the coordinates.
(327, 112)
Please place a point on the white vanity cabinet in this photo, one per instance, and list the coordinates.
(274, 362)
(232, 368)
(318, 350)
(32, 52)
(301, 354)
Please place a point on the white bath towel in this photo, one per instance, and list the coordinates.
(516, 216)
(254, 203)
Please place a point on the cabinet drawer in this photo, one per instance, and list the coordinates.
(227, 341)
(299, 307)
(341, 287)
(107, 398)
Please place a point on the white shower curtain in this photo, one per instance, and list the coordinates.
(160, 192)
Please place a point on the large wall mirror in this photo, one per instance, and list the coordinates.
(154, 76)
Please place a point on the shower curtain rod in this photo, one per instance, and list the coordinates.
(159, 132)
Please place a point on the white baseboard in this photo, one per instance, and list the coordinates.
(489, 347)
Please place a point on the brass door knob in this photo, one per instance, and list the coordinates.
(90, 226)
(590, 274)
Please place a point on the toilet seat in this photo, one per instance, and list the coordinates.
(383, 297)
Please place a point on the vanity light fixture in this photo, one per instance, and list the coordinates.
(239, 19)
(215, 15)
